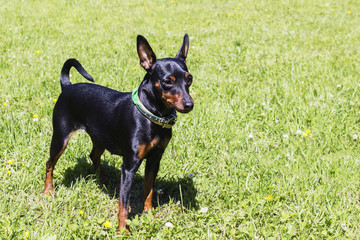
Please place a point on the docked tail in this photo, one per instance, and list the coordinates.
(64, 77)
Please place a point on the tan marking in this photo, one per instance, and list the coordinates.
(172, 78)
(143, 149)
(48, 189)
(122, 216)
(148, 190)
(174, 100)
(187, 75)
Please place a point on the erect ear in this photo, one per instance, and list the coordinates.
(146, 55)
(182, 54)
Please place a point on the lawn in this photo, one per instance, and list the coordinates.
(270, 151)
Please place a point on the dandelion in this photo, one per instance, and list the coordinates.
(169, 225)
(5, 104)
(268, 16)
(306, 133)
(8, 172)
(204, 209)
(134, 68)
(54, 100)
(10, 162)
(238, 8)
(37, 51)
(26, 234)
(349, 12)
(270, 198)
(35, 118)
(81, 212)
(107, 224)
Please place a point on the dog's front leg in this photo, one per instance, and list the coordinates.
(128, 170)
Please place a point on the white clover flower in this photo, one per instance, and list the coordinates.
(344, 227)
(169, 225)
(204, 209)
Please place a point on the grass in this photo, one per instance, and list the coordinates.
(264, 73)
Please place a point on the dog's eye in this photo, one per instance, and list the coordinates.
(189, 80)
(168, 81)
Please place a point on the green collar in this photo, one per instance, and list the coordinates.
(166, 122)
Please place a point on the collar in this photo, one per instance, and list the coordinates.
(165, 122)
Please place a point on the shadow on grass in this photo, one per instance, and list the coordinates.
(173, 190)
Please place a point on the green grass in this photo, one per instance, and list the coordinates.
(264, 72)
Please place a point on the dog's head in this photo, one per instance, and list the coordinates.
(170, 76)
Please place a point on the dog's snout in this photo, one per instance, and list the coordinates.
(188, 105)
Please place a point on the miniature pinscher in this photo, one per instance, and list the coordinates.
(136, 125)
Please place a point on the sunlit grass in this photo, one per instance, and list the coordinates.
(271, 149)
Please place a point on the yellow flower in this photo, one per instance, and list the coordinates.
(107, 224)
(27, 234)
(238, 8)
(134, 68)
(349, 12)
(5, 104)
(81, 212)
(268, 16)
(54, 100)
(8, 172)
(172, 1)
(37, 51)
(305, 134)
(35, 116)
(307, 131)
(10, 161)
(270, 198)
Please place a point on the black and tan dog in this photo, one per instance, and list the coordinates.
(136, 125)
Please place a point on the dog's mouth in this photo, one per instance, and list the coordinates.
(181, 105)
(184, 109)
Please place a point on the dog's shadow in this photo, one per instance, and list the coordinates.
(179, 191)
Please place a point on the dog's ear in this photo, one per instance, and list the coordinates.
(146, 55)
(182, 54)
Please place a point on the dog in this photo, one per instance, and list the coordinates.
(135, 125)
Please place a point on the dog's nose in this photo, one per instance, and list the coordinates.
(188, 105)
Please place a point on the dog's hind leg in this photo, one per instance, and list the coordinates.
(95, 156)
(60, 139)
